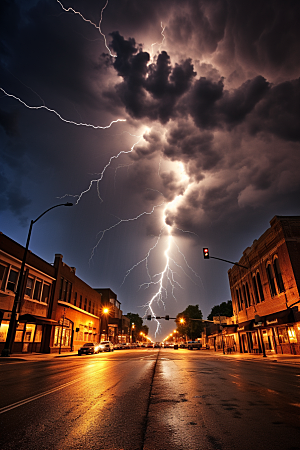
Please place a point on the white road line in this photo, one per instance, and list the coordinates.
(43, 394)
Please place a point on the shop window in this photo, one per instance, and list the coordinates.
(29, 332)
(260, 288)
(45, 293)
(29, 286)
(37, 290)
(19, 332)
(3, 270)
(3, 330)
(12, 280)
(271, 280)
(255, 289)
(38, 333)
(278, 276)
(292, 335)
(283, 336)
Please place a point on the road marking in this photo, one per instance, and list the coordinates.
(43, 394)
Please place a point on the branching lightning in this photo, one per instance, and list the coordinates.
(162, 281)
(89, 125)
(98, 27)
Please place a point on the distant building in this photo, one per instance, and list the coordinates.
(112, 321)
(58, 312)
(265, 297)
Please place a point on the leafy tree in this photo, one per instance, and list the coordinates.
(224, 309)
(137, 320)
(186, 326)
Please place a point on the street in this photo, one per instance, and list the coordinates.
(149, 399)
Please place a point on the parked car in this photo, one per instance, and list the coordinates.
(150, 345)
(106, 346)
(89, 348)
(194, 344)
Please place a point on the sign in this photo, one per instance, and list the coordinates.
(220, 319)
(7, 315)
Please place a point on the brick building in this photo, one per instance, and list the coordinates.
(265, 295)
(33, 312)
(58, 311)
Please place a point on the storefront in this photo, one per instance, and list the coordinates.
(29, 333)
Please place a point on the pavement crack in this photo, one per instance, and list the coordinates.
(148, 403)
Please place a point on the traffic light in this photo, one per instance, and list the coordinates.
(167, 317)
(206, 253)
(149, 317)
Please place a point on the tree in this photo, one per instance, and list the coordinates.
(188, 327)
(224, 309)
(136, 320)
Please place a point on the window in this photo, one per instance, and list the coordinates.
(90, 304)
(93, 310)
(278, 276)
(242, 299)
(238, 300)
(68, 292)
(45, 293)
(61, 288)
(248, 294)
(256, 296)
(75, 298)
(80, 302)
(260, 288)
(29, 287)
(85, 304)
(12, 280)
(3, 270)
(271, 280)
(37, 290)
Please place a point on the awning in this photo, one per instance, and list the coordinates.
(37, 319)
(279, 318)
(245, 326)
(230, 329)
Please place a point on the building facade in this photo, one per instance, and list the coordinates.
(58, 312)
(265, 292)
(33, 311)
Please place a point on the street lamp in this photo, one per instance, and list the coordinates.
(12, 324)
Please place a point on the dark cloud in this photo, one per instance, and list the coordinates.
(9, 122)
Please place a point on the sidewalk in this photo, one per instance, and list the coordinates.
(269, 358)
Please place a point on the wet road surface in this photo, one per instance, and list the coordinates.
(149, 399)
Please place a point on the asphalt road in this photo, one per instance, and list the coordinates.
(148, 399)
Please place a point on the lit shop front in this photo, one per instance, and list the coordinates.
(29, 333)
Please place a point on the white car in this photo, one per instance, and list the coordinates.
(106, 346)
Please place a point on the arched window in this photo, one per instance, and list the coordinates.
(278, 276)
(238, 299)
(255, 289)
(260, 288)
(271, 280)
(248, 294)
(242, 298)
(245, 296)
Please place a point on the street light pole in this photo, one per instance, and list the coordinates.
(12, 324)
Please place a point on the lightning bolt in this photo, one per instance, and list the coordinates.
(89, 125)
(98, 27)
(166, 279)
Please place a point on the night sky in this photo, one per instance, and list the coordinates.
(207, 152)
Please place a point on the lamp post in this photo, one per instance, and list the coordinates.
(12, 323)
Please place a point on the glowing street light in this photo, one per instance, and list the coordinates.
(12, 324)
